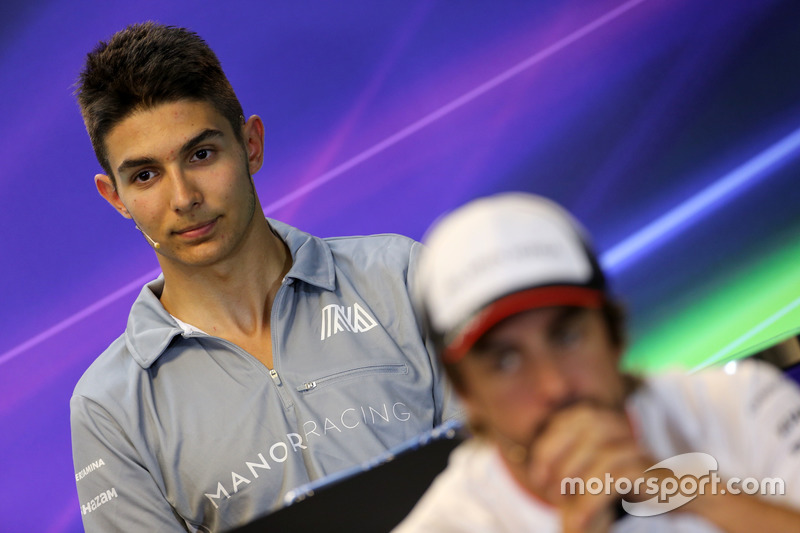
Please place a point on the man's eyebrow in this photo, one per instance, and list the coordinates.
(488, 346)
(131, 163)
(208, 133)
(567, 315)
(204, 135)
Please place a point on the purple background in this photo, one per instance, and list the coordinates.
(380, 116)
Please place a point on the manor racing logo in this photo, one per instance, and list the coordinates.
(338, 318)
(259, 462)
(693, 474)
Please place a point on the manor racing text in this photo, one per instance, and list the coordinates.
(279, 451)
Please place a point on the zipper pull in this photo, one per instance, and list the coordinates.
(307, 386)
(275, 377)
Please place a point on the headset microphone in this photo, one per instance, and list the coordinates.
(151, 241)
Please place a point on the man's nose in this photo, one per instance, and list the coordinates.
(551, 381)
(185, 195)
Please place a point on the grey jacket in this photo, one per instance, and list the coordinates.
(174, 429)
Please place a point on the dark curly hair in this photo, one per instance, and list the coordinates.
(143, 66)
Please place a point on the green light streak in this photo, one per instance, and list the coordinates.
(757, 308)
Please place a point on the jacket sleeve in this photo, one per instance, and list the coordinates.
(115, 489)
(448, 406)
(772, 408)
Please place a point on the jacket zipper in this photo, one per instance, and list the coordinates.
(276, 378)
(397, 368)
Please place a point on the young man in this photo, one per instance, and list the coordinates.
(264, 357)
(531, 340)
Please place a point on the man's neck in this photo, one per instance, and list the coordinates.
(232, 298)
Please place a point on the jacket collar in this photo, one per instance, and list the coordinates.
(312, 259)
(151, 328)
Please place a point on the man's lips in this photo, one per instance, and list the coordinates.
(197, 230)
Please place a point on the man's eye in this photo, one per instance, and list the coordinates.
(568, 335)
(507, 361)
(201, 155)
(143, 176)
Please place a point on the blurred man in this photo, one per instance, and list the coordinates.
(531, 339)
(264, 357)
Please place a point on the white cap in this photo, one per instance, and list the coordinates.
(497, 256)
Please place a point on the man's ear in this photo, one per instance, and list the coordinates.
(254, 143)
(105, 186)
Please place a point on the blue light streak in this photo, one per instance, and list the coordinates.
(671, 223)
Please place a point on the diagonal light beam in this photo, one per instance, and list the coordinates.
(673, 221)
(755, 330)
(459, 102)
(77, 317)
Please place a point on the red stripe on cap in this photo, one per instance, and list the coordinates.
(556, 296)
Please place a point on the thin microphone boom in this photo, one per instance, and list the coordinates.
(153, 243)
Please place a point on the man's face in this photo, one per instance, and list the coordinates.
(535, 363)
(184, 178)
